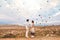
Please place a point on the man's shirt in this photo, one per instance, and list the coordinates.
(28, 24)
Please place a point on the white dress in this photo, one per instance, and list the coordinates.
(32, 30)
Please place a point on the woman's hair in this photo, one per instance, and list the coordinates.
(32, 21)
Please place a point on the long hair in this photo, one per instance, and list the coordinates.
(32, 21)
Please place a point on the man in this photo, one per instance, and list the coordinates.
(28, 24)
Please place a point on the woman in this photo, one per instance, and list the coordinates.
(32, 29)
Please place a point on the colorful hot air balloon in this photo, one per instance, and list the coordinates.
(47, 1)
(39, 15)
(5, 0)
(0, 5)
(36, 22)
(59, 9)
(40, 8)
(36, 19)
(49, 17)
(40, 23)
(46, 21)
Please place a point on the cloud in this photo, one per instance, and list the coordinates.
(31, 6)
(5, 17)
(19, 10)
(55, 20)
(56, 14)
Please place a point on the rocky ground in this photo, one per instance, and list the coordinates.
(15, 32)
(43, 38)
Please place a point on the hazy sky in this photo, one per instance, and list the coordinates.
(43, 12)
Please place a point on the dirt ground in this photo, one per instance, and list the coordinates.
(43, 38)
(42, 33)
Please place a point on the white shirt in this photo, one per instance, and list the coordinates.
(28, 24)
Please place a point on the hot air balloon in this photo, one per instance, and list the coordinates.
(36, 22)
(5, 0)
(40, 8)
(42, 20)
(0, 5)
(36, 19)
(47, 1)
(40, 23)
(17, 9)
(46, 21)
(39, 15)
(49, 17)
(59, 9)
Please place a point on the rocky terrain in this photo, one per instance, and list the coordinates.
(16, 31)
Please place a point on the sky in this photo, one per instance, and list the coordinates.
(43, 12)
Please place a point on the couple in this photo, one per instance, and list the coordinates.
(30, 28)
